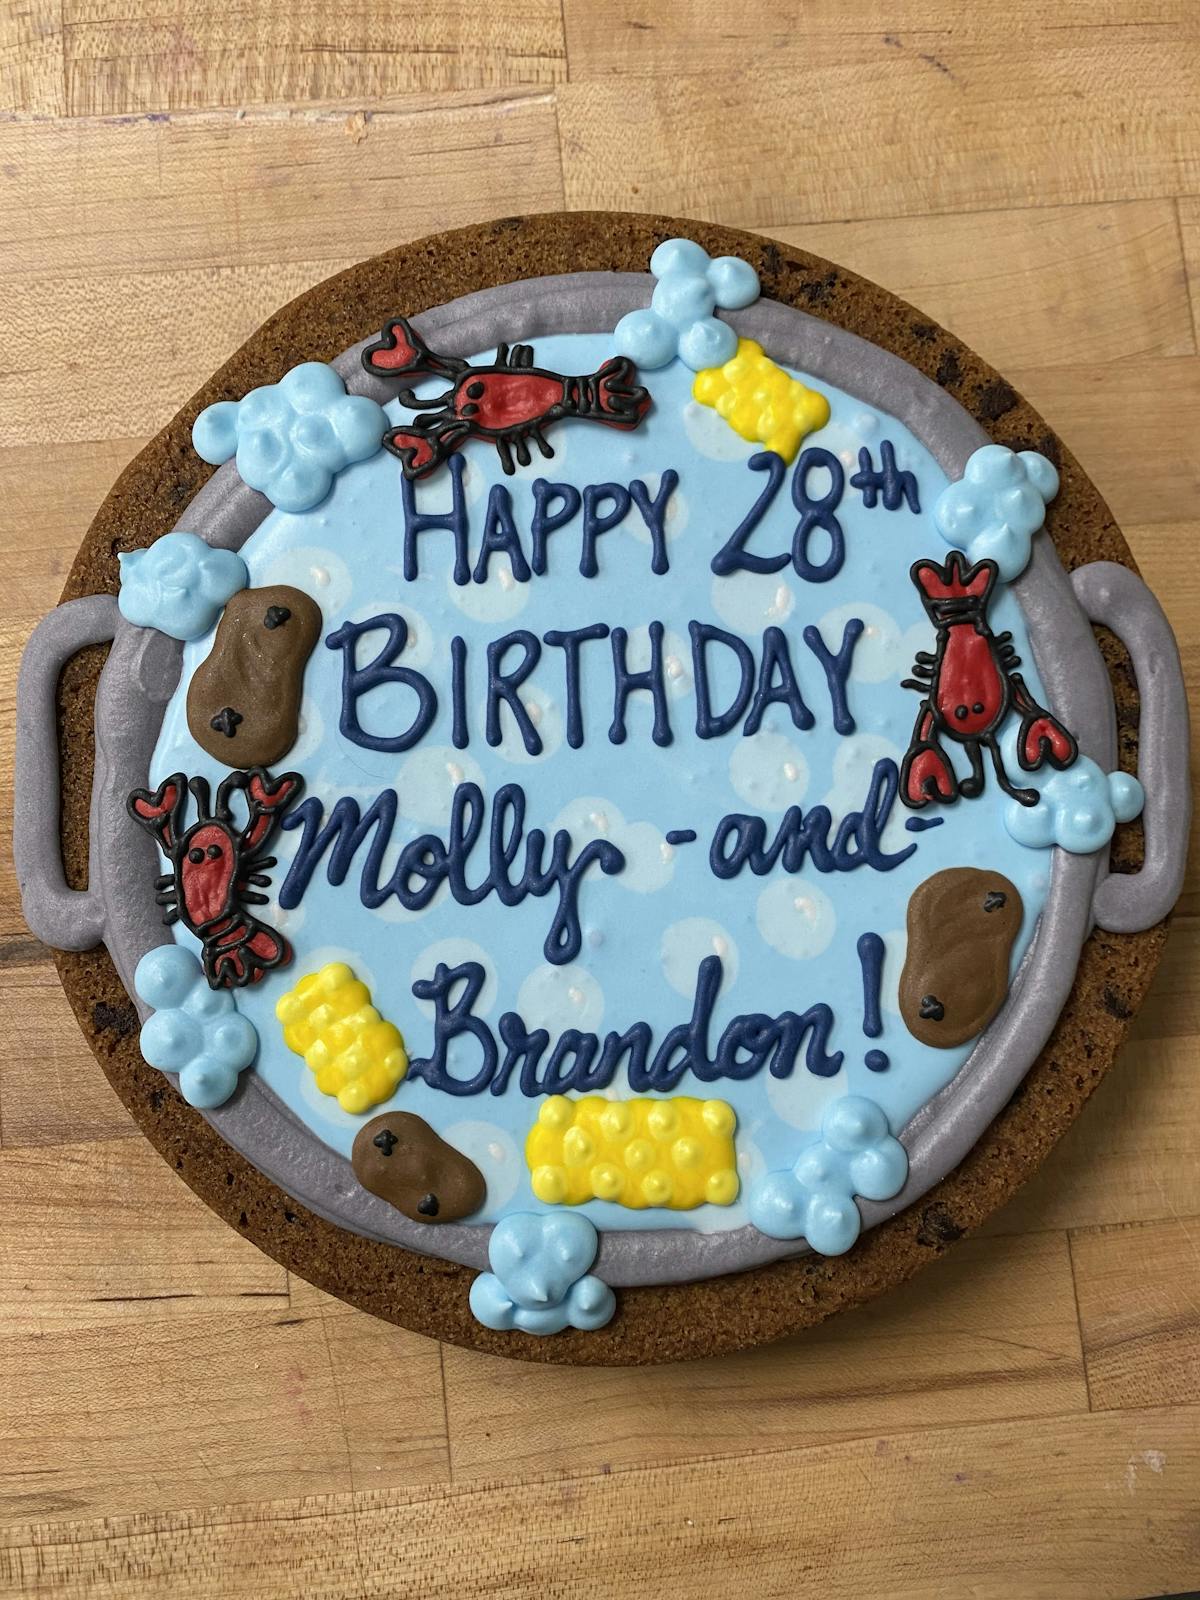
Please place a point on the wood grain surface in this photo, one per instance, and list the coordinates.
(178, 1416)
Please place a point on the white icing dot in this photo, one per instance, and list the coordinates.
(751, 601)
(685, 944)
(493, 1151)
(796, 919)
(768, 771)
(428, 778)
(319, 572)
(649, 860)
(882, 651)
(558, 998)
(498, 600)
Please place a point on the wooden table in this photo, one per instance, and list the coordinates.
(177, 1416)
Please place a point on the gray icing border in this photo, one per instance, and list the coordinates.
(143, 670)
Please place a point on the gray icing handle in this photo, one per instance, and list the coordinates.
(70, 919)
(1117, 598)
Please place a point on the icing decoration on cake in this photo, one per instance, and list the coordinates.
(216, 867)
(508, 401)
(243, 703)
(997, 506)
(761, 402)
(292, 437)
(195, 1031)
(677, 1152)
(680, 320)
(178, 585)
(961, 926)
(1077, 810)
(855, 1155)
(539, 1282)
(970, 684)
(400, 1158)
(356, 1056)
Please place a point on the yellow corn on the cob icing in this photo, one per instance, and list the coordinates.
(355, 1054)
(760, 401)
(638, 1152)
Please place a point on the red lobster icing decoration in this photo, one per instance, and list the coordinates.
(969, 686)
(510, 402)
(214, 865)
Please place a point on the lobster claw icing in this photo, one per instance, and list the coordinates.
(927, 775)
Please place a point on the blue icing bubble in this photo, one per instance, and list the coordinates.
(997, 506)
(293, 436)
(539, 1282)
(680, 321)
(179, 585)
(855, 1155)
(1076, 809)
(195, 1031)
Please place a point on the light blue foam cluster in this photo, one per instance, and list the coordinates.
(195, 1031)
(855, 1154)
(1077, 809)
(179, 585)
(680, 320)
(291, 437)
(997, 506)
(539, 1282)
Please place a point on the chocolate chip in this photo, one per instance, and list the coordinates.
(276, 616)
(428, 1206)
(995, 900)
(949, 372)
(931, 1008)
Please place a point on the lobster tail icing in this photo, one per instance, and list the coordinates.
(620, 401)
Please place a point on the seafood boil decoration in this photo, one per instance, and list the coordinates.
(216, 867)
(969, 684)
(509, 401)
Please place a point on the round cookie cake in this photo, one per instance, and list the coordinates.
(611, 831)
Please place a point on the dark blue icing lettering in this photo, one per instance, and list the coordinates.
(837, 667)
(818, 513)
(453, 521)
(545, 522)
(500, 535)
(681, 836)
(710, 724)
(654, 515)
(733, 555)
(595, 523)
(425, 863)
(740, 840)
(870, 955)
(453, 1020)
(357, 681)
(569, 641)
(459, 734)
(626, 681)
(776, 659)
(894, 485)
(504, 686)
(580, 1062)
(345, 831)
(522, 1053)
(877, 1060)
(687, 1039)
(919, 824)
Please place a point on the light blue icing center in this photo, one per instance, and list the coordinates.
(786, 943)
